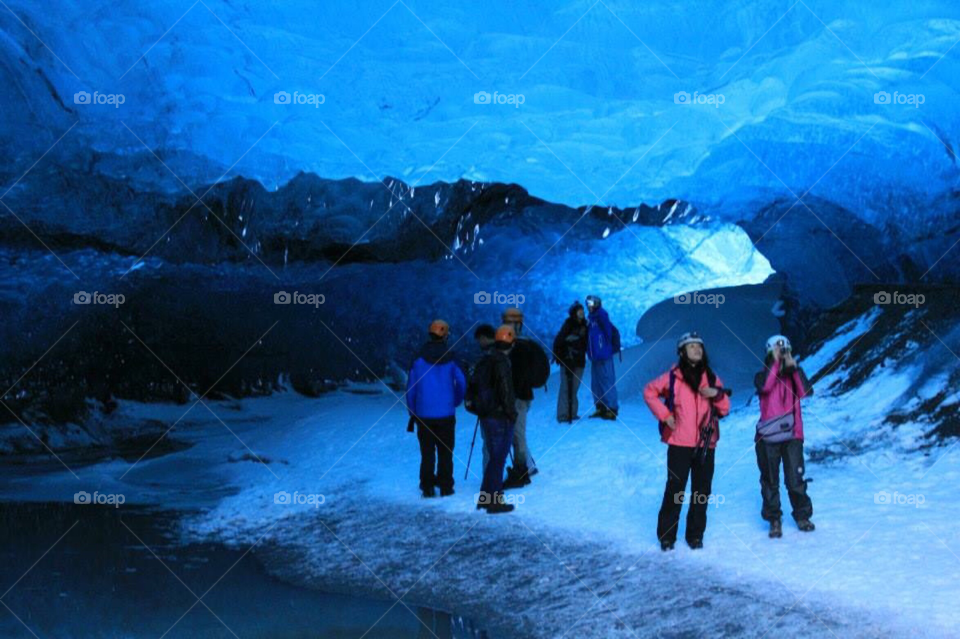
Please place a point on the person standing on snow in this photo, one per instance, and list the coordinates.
(486, 338)
(570, 351)
(495, 404)
(435, 387)
(781, 386)
(523, 360)
(600, 348)
(692, 397)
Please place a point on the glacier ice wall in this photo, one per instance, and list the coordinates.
(599, 120)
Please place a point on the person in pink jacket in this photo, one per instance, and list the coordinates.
(781, 385)
(687, 400)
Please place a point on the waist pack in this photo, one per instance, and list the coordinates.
(776, 429)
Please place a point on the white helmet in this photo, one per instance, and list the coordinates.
(778, 340)
(692, 337)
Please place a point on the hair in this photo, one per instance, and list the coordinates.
(485, 330)
(687, 371)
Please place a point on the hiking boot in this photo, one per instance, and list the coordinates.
(666, 546)
(776, 529)
(598, 413)
(805, 525)
(446, 492)
(428, 493)
(499, 508)
(609, 415)
(695, 544)
(516, 478)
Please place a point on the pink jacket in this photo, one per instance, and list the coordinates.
(691, 410)
(780, 394)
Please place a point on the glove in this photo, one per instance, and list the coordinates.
(410, 424)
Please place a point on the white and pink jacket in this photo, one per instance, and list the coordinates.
(781, 394)
(691, 410)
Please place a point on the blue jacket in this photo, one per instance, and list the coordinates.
(435, 384)
(599, 335)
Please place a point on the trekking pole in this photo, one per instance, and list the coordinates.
(475, 429)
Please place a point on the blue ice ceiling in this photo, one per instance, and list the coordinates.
(599, 119)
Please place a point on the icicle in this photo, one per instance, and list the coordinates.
(636, 213)
(506, 200)
(244, 232)
(606, 232)
(413, 191)
(436, 199)
(610, 211)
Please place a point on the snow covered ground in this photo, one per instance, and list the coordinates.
(883, 561)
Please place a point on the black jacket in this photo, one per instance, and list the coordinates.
(502, 383)
(570, 344)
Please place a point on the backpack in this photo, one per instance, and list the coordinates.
(538, 364)
(615, 340)
(480, 398)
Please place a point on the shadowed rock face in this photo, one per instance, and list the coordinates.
(309, 219)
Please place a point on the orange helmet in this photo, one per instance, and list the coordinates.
(506, 334)
(439, 328)
(512, 315)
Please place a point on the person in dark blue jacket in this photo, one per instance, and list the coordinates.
(435, 387)
(603, 381)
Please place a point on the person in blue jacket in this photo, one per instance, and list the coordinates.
(600, 349)
(435, 387)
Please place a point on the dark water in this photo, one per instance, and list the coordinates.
(121, 573)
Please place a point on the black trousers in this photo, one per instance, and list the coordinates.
(682, 463)
(768, 460)
(436, 437)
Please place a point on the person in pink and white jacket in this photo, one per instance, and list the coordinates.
(781, 385)
(684, 400)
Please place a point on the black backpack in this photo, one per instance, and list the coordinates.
(537, 363)
(481, 396)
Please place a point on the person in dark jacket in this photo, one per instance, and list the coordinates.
(521, 364)
(781, 385)
(570, 351)
(497, 421)
(603, 380)
(435, 387)
(486, 338)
